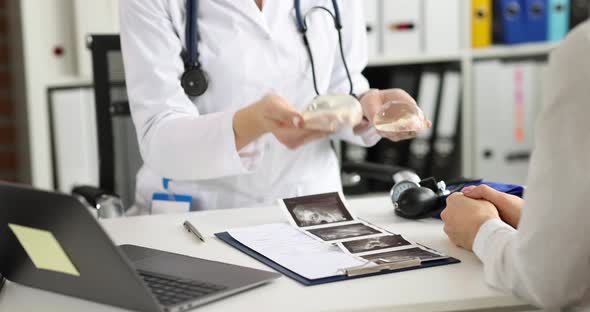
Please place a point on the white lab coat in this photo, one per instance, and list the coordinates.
(246, 53)
(547, 261)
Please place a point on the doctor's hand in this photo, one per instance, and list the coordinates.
(464, 216)
(294, 138)
(272, 114)
(509, 206)
(372, 102)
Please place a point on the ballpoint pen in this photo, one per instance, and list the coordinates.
(189, 227)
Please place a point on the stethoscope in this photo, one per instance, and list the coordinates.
(194, 80)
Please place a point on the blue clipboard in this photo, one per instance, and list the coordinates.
(227, 238)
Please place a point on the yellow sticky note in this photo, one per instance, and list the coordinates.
(44, 250)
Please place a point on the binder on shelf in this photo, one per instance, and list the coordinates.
(559, 19)
(428, 94)
(444, 164)
(373, 11)
(526, 101)
(441, 26)
(506, 101)
(428, 99)
(406, 78)
(488, 106)
(509, 22)
(579, 12)
(449, 108)
(536, 19)
(481, 21)
(402, 27)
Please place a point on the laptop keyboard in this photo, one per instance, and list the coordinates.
(170, 291)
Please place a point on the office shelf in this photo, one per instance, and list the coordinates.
(414, 59)
(522, 50)
(467, 58)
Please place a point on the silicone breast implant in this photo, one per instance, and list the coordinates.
(399, 116)
(332, 112)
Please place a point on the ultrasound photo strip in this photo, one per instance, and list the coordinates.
(326, 218)
(375, 244)
(416, 252)
(346, 232)
(316, 210)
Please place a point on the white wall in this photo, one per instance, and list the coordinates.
(45, 25)
(93, 17)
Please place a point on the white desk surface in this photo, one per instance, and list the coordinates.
(446, 288)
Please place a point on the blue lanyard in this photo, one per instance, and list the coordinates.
(192, 34)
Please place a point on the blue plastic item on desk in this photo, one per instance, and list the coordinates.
(512, 189)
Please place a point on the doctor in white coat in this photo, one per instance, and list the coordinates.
(241, 143)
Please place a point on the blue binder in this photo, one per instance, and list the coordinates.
(509, 22)
(227, 238)
(559, 19)
(536, 19)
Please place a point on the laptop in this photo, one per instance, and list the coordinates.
(50, 241)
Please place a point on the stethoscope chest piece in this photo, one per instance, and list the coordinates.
(194, 81)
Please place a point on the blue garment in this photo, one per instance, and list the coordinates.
(511, 189)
